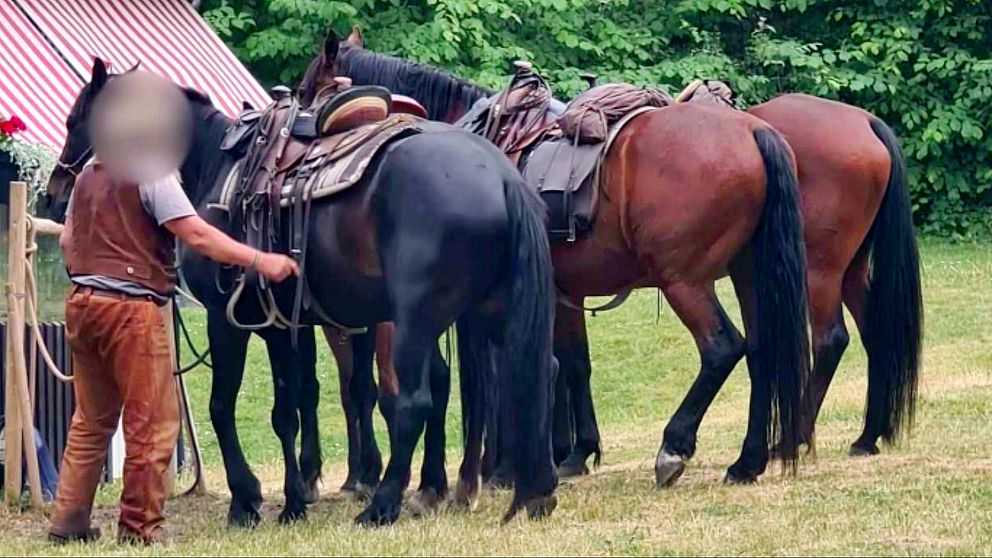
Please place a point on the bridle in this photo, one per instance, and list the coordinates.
(71, 168)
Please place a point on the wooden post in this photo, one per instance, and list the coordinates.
(13, 476)
(19, 406)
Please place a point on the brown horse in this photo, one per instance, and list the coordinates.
(860, 245)
(678, 212)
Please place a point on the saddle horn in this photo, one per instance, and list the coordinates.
(589, 78)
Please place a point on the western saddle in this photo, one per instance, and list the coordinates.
(287, 157)
(561, 154)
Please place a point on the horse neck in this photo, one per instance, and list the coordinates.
(447, 98)
(206, 162)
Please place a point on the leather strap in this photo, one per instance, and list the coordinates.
(617, 301)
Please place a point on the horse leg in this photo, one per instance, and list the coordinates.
(341, 349)
(720, 348)
(572, 351)
(228, 347)
(855, 292)
(562, 425)
(311, 459)
(830, 339)
(413, 405)
(363, 394)
(287, 365)
(389, 386)
(475, 366)
(433, 478)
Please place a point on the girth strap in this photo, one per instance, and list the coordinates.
(613, 304)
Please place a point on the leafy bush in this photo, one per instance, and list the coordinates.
(922, 65)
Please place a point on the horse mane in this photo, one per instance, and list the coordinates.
(439, 91)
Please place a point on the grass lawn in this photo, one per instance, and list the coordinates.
(932, 495)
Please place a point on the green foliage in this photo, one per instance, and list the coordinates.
(924, 66)
(34, 162)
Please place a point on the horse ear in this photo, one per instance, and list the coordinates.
(355, 38)
(331, 45)
(99, 77)
(135, 67)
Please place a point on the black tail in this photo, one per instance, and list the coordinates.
(894, 311)
(526, 363)
(782, 355)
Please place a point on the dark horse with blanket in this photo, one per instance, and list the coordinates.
(858, 231)
(439, 229)
(677, 211)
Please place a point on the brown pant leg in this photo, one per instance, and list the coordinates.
(98, 406)
(143, 366)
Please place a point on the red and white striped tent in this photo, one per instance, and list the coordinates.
(47, 49)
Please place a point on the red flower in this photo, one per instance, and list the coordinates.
(18, 123)
(7, 128)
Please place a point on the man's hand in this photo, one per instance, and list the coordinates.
(276, 267)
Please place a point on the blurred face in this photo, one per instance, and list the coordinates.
(140, 127)
(136, 123)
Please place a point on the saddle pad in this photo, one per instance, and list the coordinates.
(346, 163)
(332, 164)
(566, 176)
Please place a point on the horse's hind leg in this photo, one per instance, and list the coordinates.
(830, 339)
(341, 349)
(415, 345)
(228, 347)
(855, 298)
(363, 394)
(287, 365)
(720, 348)
(311, 459)
(475, 366)
(572, 351)
(433, 478)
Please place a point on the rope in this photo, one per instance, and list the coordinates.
(31, 294)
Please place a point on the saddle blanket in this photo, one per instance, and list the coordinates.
(332, 164)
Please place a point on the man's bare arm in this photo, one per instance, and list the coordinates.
(206, 239)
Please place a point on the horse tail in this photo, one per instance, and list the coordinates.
(526, 363)
(782, 352)
(893, 329)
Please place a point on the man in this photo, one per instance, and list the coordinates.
(119, 246)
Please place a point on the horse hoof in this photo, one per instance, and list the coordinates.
(572, 468)
(377, 515)
(858, 450)
(499, 482)
(466, 497)
(363, 492)
(424, 501)
(292, 515)
(243, 519)
(668, 467)
(542, 507)
(348, 486)
(537, 507)
(733, 478)
(311, 493)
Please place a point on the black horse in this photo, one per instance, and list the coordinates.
(441, 229)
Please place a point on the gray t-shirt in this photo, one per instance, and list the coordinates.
(164, 200)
